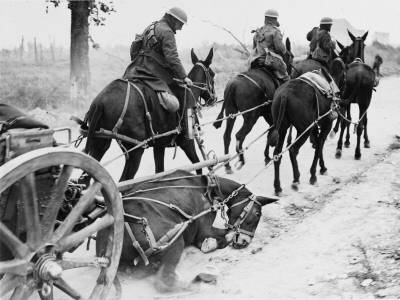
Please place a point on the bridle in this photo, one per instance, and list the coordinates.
(245, 212)
(206, 87)
(357, 52)
(214, 188)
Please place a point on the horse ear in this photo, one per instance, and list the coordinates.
(340, 45)
(266, 200)
(288, 45)
(194, 57)
(364, 36)
(209, 58)
(351, 35)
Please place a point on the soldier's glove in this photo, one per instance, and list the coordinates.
(188, 82)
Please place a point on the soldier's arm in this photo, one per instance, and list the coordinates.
(170, 51)
(278, 42)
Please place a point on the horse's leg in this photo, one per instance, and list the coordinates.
(97, 150)
(347, 141)
(366, 139)
(188, 146)
(248, 123)
(166, 279)
(132, 164)
(278, 149)
(293, 152)
(227, 140)
(325, 128)
(360, 129)
(289, 138)
(159, 154)
(267, 159)
(344, 125)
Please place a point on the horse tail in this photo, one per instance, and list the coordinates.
(274, 136)
(228, 94)
(92, 118)
(349, 100)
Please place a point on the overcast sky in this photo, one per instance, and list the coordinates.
(28, 18)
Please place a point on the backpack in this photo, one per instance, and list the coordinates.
(136, 46)
(138, 42)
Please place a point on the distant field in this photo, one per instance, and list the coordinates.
(46, 85)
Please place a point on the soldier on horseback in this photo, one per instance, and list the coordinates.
(268, 47)
(155, 59)
(322, 44)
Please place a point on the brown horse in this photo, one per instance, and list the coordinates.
(144, 117)
(244, 92)
(360, 81)
(300, 104)
(171, 207)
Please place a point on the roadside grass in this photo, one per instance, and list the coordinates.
(46, 86)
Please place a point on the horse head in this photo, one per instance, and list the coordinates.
(357, 47)
(203, 77)
(288, 56)
(244, 212)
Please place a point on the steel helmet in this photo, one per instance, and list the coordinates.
(178, 14)
(326, 20)
(271, 13)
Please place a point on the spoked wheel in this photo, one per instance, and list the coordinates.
(43, 261)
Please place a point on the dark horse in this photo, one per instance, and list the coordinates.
(360, 81)
(244, 92)
(145, 118)
(299, 104)
(176, 199)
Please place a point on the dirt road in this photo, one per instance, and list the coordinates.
(338, 239)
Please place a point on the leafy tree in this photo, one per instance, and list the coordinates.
(83, 13)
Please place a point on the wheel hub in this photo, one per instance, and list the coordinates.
(47, 269)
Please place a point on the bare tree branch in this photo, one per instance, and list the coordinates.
(223, 28)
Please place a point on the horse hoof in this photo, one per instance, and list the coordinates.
(357, 156)
(332, 135)
(323, 171)
(347, 145)
(228, 170)
(367, 145)
(338, 153)
(278, 193)
(239, 165)
(313, 181)
(295, 185)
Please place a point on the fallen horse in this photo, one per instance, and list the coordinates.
(164, 215)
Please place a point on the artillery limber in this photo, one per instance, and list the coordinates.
(46, 215)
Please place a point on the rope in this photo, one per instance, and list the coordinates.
(233, 116)
(240, 152)
(351, 122)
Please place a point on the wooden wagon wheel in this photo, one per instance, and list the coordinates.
(42, 258)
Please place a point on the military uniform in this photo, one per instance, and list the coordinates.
(158, 58)
(268, 48)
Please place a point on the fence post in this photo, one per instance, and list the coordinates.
(21, 50)
(34, 45)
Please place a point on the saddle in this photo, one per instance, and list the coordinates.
(325, 86)
(255, 65)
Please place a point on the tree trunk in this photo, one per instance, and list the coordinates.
(80, 73)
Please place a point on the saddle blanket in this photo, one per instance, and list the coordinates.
(318, 80)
